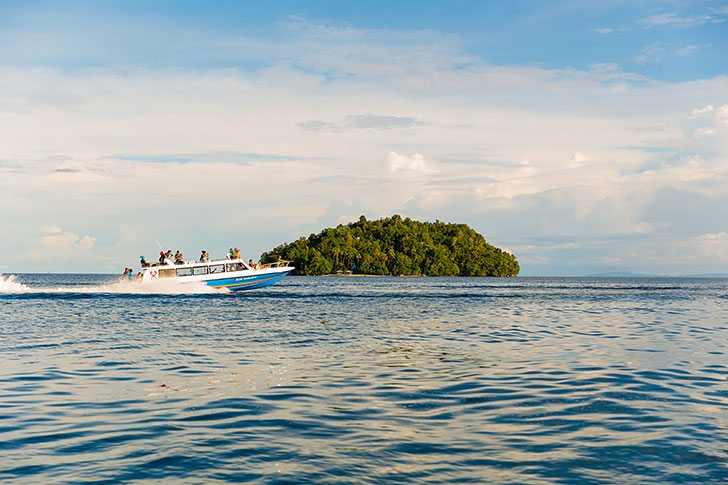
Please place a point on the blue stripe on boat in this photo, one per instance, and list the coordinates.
(248, 282)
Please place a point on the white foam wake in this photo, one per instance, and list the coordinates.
(10, 284)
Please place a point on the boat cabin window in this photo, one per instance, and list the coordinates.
(199, 270)
(217, 268)
(166, 273)
(184, 272)
(234, 267)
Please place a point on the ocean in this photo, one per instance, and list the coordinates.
(365, 380)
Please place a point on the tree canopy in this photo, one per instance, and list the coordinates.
(396, 246)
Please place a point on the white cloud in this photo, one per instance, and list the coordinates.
(650, 53)
(676, 20)
(706, 121)
(686, 51)
(577, 160)
(202, 158)
(712, 246)
(57, 246)
(714, 236)
(51, 230)
(413, 163)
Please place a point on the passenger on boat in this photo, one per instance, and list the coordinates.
(178, 258)
(230, 253)
(161, 257)
(236, 253)
(144, 262)
(168, 254)
(140, 275)
(204, 257)
(251, 264)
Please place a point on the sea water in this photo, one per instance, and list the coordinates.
(365, 380)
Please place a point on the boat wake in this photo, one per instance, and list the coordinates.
(10, 285)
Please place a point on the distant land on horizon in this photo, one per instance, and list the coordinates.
(629, 274)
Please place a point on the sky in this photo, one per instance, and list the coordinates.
(584, 137)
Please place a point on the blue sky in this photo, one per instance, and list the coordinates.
(665, 40)
(583, 136)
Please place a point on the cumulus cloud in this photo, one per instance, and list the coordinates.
(706, 121)
(58, 245)
(407, 163)
(714, 236)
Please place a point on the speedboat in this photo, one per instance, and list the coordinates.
(233, 274)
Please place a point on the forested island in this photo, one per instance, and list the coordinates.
(396, 246)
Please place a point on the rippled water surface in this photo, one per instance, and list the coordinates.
(365, 380)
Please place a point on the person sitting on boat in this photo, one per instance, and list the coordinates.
(251, 264)
(230, 253)
(143, 262)
(168, 255)
(161, 257)
(204, 257)
(178, 258)
(236, 253)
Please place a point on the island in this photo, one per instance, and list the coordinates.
(396, 246)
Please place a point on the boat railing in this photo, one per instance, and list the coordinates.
(276, 264)
(242, 263)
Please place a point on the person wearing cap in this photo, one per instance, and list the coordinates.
(143, 262)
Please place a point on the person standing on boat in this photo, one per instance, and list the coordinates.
(204, 257)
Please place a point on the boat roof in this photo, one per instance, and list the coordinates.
(169, 264)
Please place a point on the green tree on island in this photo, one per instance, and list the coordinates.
(396, 246)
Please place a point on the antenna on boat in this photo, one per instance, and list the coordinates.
(160, 246)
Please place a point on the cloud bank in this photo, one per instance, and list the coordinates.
(574, 170)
